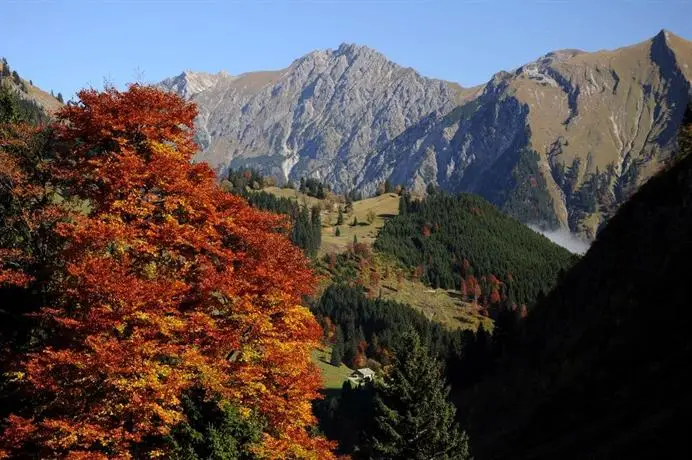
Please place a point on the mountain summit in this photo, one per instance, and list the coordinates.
(321, 116)
(558, 142)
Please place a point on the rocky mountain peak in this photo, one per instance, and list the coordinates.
(189, 82)
(560, 141)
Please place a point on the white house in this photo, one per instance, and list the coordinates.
(362, 375)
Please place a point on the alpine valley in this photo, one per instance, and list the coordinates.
(560, 142)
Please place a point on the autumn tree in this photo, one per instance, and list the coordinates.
(166, 284)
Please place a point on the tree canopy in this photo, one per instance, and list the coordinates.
(163, 283)
(463, 242)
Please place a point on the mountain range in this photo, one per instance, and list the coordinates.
(560, 142)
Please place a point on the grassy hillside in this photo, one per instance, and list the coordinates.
(28, 90)
(395, 282)
(332, 376)
(383, 207)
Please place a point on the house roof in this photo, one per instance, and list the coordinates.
(366, 372)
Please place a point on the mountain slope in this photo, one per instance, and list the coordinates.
(26, 90)
(319, 117)
(561, 141)
(463, 242)
(603, 370)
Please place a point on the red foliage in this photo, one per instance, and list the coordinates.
(329, 330)
(362, 250)
(473, 288)
(426, 230)
(360, 359)
(463, 289)
(168, 283)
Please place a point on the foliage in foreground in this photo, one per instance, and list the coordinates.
(157, 283)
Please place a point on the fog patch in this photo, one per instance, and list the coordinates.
(564, 238)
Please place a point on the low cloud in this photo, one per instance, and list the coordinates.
(564, 238)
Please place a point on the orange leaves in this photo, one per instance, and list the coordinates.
(167, 283)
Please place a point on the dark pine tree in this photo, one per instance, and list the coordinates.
(338, 348)
(414, 418)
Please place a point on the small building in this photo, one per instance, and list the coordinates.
(362, 375)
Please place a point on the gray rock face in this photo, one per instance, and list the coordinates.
(561, 141)
(320, 117)
(598, 124)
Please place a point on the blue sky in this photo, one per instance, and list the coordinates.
(65, 45)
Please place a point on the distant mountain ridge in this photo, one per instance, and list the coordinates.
(27, 90)
(559, 142)
(320, 116)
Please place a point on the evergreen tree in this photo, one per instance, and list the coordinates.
(403, 204)
(213, 431)
(355, 221)
(9, 107)
(340, 218)
(414, 417)
(388, 186)
(14, 109)
(62, 101)
(337, 232)
(338, 349)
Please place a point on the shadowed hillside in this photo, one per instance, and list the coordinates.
(603, 372)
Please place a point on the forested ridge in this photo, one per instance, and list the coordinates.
(463, 242)
(600, 370)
